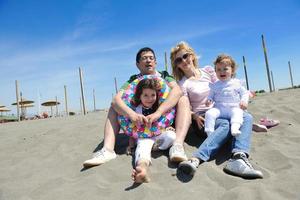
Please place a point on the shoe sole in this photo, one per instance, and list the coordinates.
(187, 169)
(177, 159)
(90, 165)
(246, 176)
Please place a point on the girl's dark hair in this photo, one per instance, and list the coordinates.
(146, 84)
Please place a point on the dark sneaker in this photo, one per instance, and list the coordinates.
(190, 166)
(239, 165)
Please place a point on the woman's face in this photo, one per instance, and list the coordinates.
(184, 60)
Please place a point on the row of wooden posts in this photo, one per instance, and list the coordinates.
(82, 99)
(269, 72)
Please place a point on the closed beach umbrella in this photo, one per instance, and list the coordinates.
(50, 103)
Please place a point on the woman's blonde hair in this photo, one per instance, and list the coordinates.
(227, 60)
(178, 73)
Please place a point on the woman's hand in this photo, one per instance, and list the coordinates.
(243, 105)
(208, 103)
(199, 120)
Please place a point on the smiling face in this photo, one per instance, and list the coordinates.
(147, 63)
(148, 97)
(184, 60)
(224, 71)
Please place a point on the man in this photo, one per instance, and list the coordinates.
(146, 63)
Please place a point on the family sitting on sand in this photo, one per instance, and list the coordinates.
(198, 94)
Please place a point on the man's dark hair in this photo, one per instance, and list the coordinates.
(138, 55)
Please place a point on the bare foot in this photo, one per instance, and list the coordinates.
(140, 173)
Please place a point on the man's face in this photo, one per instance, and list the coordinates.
(147, 63)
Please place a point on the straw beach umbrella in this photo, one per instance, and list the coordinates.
(3, 109)
(24, 103)
(51, 103)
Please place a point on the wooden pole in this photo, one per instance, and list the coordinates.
(116, 86)
(22, 107)
(66, 101)
(166, 62)
(80, 105)
(82, 91)
(291, 75)
(267, 64)
(245, 69)
(272, 81)
(17, 98)
(56, 106)
(94, 99)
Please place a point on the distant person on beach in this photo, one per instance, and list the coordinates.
(228, 96)
(146, 100)
(195, 82)
(146, 63)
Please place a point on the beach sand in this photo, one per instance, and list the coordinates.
(42, 159)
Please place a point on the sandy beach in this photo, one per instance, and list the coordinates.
(42, 159)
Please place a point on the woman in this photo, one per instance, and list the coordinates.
(194, 83)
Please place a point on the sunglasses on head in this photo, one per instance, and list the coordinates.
(180, 59)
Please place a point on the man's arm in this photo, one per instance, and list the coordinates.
(122, 109)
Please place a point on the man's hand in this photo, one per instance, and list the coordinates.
(199, 120)
(138, 118)
(152, 118)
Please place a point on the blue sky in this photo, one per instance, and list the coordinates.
(43, 43)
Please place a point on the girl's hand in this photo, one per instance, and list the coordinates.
(199, 120)
(243, 105)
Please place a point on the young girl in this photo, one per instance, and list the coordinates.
(229, 96)
(146, 101)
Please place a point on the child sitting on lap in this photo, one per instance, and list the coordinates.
(230, 98)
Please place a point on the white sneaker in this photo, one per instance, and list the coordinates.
(100, 157)
(177, 153)
(240, 166)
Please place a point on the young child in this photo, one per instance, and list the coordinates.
(146, 101)
(230, 98)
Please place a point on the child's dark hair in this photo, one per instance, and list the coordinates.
(227, 59)
(146, 84)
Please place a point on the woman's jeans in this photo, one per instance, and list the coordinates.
(221, 135)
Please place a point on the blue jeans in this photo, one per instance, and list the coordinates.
(221, 135)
